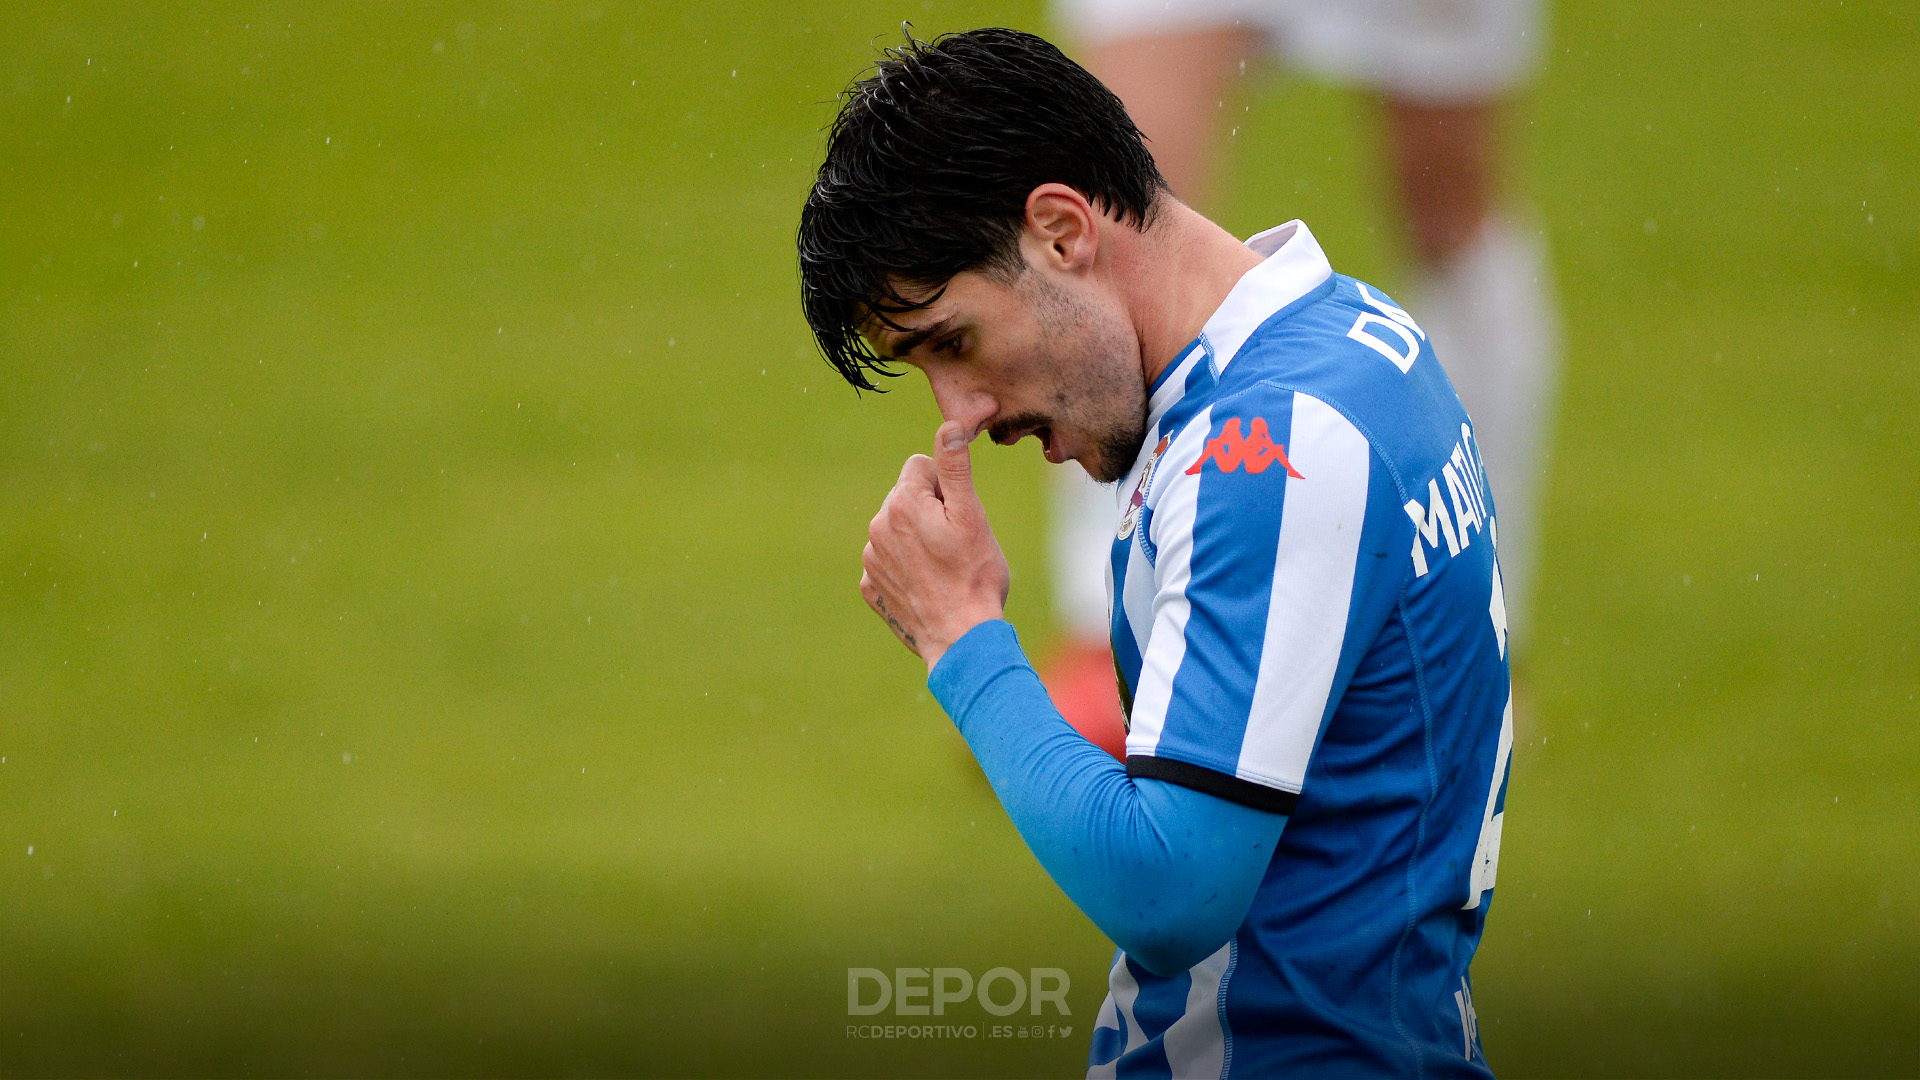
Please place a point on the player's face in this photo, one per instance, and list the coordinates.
(1055, 359)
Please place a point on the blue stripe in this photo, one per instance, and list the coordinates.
(1194, 397)
(1157, 1005)
(1126, 647)
(1236, 532)
(1161, 1001)
(1149, 1062)
(1172, 367)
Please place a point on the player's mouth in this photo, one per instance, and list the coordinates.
(1048, 448)
(1036, 425)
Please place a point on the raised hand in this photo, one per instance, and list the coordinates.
(931, 567)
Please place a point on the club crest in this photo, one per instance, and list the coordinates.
(1131, 518)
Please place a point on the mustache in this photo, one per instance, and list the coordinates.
(1001, 432)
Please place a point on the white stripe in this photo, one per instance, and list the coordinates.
(1166, 646)
(1109, 1018)
(1196, 1044)
(1136, 596)
(1172, 389)
(1294, 266)
(1313, 572)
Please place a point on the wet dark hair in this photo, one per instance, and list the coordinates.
(928, 169)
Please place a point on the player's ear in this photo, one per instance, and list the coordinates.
(1062, 230)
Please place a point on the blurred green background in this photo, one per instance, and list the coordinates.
(428, 635)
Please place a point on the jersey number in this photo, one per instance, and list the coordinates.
(1486, 854)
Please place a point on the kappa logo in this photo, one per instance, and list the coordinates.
(1256, 450)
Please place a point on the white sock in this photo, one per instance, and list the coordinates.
(1491, 316)
(1081, 536)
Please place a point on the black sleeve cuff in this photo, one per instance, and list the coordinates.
(1218, 784)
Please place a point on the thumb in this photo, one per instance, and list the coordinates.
(955, 465)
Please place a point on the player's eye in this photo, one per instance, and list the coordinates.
(950, 346)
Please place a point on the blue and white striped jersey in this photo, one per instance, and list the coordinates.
(1307, 618)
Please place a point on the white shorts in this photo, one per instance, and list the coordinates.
(1436, 51)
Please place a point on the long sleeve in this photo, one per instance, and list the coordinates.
(1167, 872)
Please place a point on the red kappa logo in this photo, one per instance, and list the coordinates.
(1256, 450)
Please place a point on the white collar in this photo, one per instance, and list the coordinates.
(1294, 266)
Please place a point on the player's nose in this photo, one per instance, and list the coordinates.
(957, 401)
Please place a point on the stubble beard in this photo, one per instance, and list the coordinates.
(1098, 385)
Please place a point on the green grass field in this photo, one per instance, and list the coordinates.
(428, 635)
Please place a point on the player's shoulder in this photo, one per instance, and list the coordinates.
(1357, 351)
(1351, 338)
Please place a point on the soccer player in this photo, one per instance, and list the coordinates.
(1442, 70)
(1297, 857)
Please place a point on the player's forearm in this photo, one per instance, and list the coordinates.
(1167, 872)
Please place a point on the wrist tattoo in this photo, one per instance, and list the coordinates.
(880, 602)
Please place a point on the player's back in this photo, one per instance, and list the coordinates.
(1375, 896)
(1377, 704)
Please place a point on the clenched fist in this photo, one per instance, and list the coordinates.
(932, 568)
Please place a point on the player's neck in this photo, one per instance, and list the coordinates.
(1184, 267)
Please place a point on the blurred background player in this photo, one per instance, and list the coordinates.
(1442, 70)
